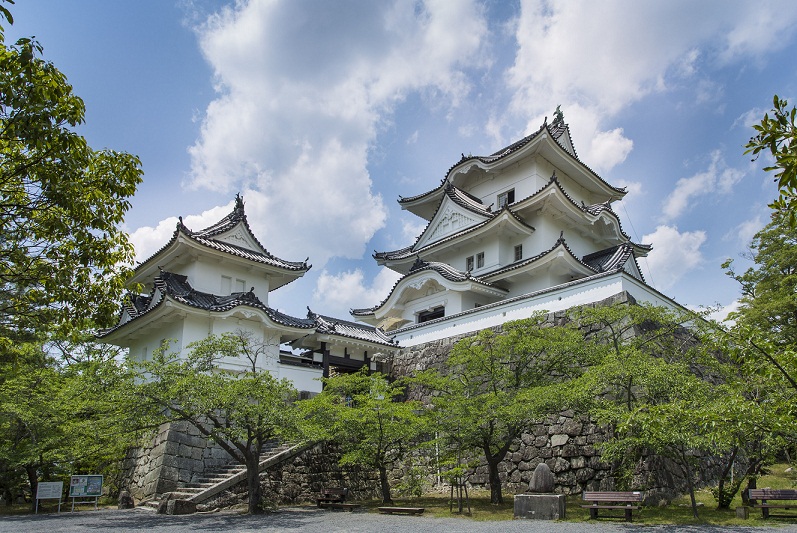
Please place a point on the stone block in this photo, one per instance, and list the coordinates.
(540, 506)
(743, 512)
(180, 507)
(559, 440)
(541, 441)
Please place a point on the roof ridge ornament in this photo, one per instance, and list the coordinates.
(558, 116)
(561, 239)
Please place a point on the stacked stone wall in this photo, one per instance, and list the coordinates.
(300, 479)
(176, 454)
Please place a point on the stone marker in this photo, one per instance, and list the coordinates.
(541, 504)
(541, 480)
(126, 501)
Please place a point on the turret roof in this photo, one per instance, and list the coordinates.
(557, 129)
(171, 286)
(208, 237)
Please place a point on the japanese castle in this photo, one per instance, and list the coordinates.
(528, 228)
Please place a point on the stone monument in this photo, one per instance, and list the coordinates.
(541, 503)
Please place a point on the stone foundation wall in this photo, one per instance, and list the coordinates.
(176, 454)
(300, 479)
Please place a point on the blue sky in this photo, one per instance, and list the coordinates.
(322, 113)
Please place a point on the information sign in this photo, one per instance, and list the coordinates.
(85, 487)
(49, 490)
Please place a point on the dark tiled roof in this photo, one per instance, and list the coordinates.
(613, 258)
(334, 326)
(409, 251)
(445, 270)
(206, 238)
(177, 288)
(556, 129)
(523, 262)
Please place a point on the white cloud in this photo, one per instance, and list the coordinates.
(747, 119)
(744, 232)
(597, 58)
(147, 239)
(303, 90)
(720, 314)
(673, 255)
(338, 293)
(718, 178)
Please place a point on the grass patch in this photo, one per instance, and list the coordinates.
(677, 512)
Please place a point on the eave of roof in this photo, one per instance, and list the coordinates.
(408, 252)
(327, 325)
(176, 288)
(445, 270)
(205, 239)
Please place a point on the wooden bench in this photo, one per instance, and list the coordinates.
(338, 505)
(627, 501)
(764, 495)
(332, 495)
(402, 510)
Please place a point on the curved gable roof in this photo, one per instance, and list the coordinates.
(209, 238)
(409, 251)
(445, 271)
(176, 287)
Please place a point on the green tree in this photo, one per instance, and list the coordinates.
(61, 203)
(498, 384)
(61, 415)
(658, 388)
(766, 321)
(239, 411)
(368, 416)
(778, 136)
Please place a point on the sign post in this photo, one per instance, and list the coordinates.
(85, 487)
(49, 490)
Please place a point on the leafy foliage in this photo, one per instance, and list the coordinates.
(497, 385)
(61, 203)
(239, 411)
(778, 136)
(368, 416)
(62, 415)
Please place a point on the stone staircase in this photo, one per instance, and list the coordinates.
(223, 477)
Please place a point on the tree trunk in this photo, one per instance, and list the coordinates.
(253, 482)
(723, 499)
(385, 485)
(687, 470)
(495, 481)
(33, 479)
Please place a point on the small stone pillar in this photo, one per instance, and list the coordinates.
(541, 503)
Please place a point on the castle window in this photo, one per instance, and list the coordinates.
(240, 285)
(480, 260)
(506, 198)
(469, 263)
(426, 316)
(518, 252)
(226, 285)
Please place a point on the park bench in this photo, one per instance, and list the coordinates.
(627, 501)
(764, 495)
(332, 497)
(402, 510)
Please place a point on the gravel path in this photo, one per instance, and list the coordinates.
(311, 519)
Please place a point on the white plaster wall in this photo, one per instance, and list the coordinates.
(303, 379)
(556, 300)
(206, 275)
